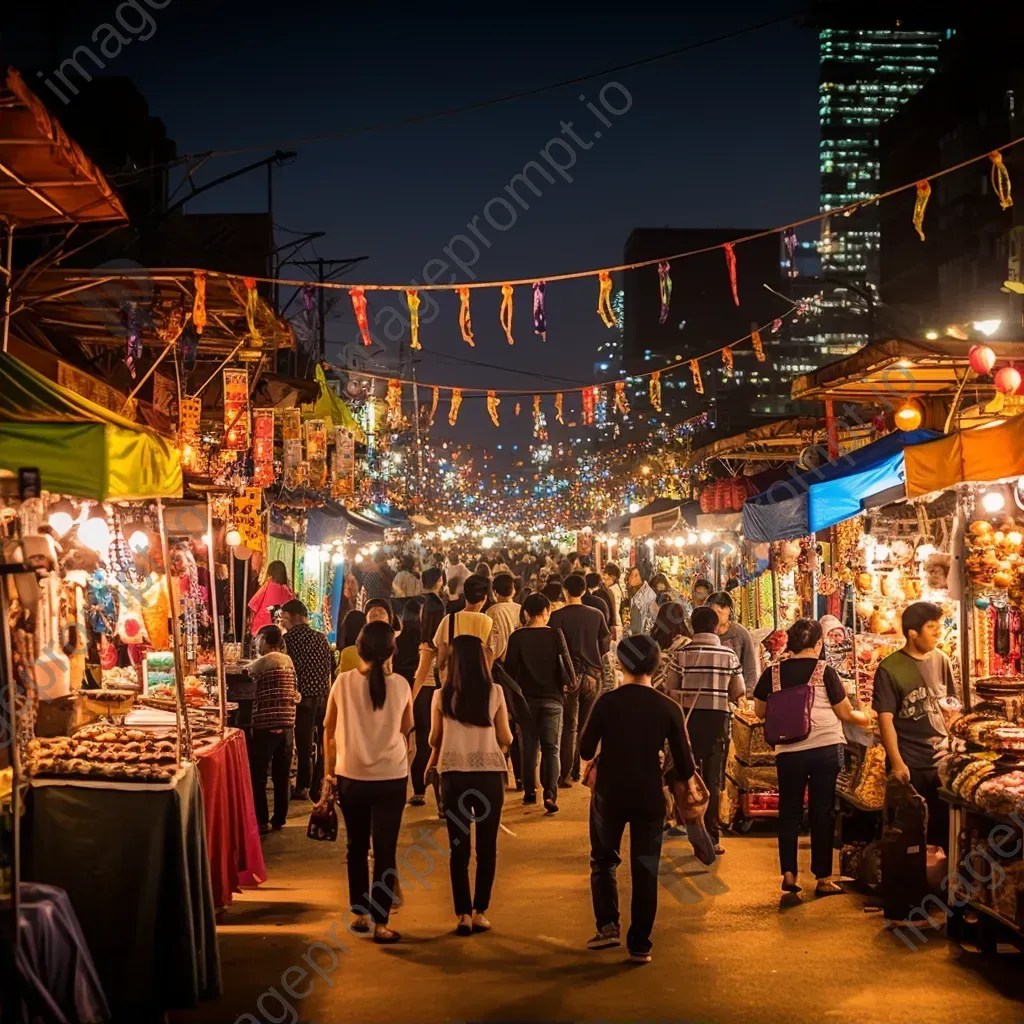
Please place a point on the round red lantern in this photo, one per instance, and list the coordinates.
(1008, 380)
(982, 359)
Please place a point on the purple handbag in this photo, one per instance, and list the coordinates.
(788, 718)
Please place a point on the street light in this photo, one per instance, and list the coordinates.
(987, 327)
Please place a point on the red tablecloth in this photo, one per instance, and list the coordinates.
(233, 839)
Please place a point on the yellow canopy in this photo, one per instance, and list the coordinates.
(992, 451)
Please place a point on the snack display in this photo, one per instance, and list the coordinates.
(104, 752)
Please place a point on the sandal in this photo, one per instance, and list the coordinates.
(826, 887)
(361, 925)
(385, 936)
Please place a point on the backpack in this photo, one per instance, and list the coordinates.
(788, 718)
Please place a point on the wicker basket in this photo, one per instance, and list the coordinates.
(748, 739)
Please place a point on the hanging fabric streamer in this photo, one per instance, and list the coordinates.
(560, 408)
(728, 360)
(235, 385)
(924, 192)
(540, 320)
(518, 408)
(665, 289)
(536, 416)
(777, 325)
(604, 299)
(1001, 180)
(755, 340)
(654, 390)
(453, 408)
(188, 347)
(505, 314)
(730, 262)
(589, 397)
(493, 401)
(621, 402)
(465, 322)
(132, 325)
(698, 380)
(412, 297)
(199, 303)
(394, 403)
(263, 447)
(789, 242)
(358, 297)
(435, 397)
(252, 305)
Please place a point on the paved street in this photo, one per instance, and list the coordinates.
(726, 948)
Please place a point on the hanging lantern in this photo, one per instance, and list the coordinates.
(908, 416)
(412, 297)
(453, 408)
(1008, 380)
(394, 403)
(560, 408)
(199, 302)
(465, 320)
(1001, 180)
(540, 319)
(505, 313)
(698, 380)
(727, 360)
(924, 192)
(654, 390)
(493, 401)
(982, 359)
(604, 299)
(358, 297)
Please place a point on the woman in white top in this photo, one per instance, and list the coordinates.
(468, 729)
(814, 762)
(369, 715)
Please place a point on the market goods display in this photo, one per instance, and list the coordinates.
(995, 557)
(1003, 795)
(1007, 892)
(103, 751)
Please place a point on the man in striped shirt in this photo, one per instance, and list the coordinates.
(706, 677)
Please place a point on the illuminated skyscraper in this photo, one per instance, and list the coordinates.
(866, 75)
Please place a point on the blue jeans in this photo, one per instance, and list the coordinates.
(541, 736)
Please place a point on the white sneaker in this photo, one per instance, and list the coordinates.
(480, 923)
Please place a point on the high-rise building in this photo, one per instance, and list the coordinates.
(870, 63)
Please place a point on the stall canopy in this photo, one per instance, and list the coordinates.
(79, 448)
(831, 493)
(663, 515)
(993, 451)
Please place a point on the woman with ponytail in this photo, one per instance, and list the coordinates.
(369, 716)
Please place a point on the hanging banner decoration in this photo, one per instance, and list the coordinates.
(435, 397)
(604, 299)
(358, 297)
(132, 325)
(505, 314)
(291, 462)
(588, 406)
(560, 408)
(698, 380)
(600, 406)
(924, 192)
(777, 325)
(199, 302)
(654, 390)
(190, 411)
(252, 305)
(789, 243)
(453, 408)
(393, 401)
(540, 319)
(165, 395)
(465, 321)
(540, 423)
(665, 289)
(236, 410)
(621, 402)
(263, 447)
(412, 297)
(755, 340)
(730, 262)
(343, 481)
(247, 515)
(1001, 180)
(188, 347)
(316, 453)
(518, 408)
(493, 401)
(728, 360)
(170, 330)
(291, 424)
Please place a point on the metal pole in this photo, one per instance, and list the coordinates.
(419, 443)
(218, 646)
(9, 284)
(235, 634)
(321, 310)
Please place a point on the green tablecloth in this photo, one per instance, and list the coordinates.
(134, 863)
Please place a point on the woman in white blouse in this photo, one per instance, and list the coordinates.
(468, 729)
(369, 715)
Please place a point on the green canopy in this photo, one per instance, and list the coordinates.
(79, 448)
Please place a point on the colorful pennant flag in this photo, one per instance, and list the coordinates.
(730, 262)
(358, 296)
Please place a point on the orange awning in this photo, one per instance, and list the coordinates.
(993, 451)
(45, 178)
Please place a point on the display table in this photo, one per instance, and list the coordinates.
(232, 835)
(133, 861)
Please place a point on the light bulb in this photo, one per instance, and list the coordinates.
(233, 538)
(359, 556)
(987, 327)
(993, 501)
(633, 508)
(139, 542)
(61, 523)
(95, 534)
(337, 558)
(691, 538)
(706, 537)
(881, 552)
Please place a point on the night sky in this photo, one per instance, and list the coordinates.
(725, 135)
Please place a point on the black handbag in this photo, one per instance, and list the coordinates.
(323, 821)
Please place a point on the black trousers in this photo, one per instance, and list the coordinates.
(270, 748)
(372, 809)
(926, 782)
(607, 823)
(473, 797)
(421, 719)
(309, 743)
(709, 739)
(816, 772)
(577, 710)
